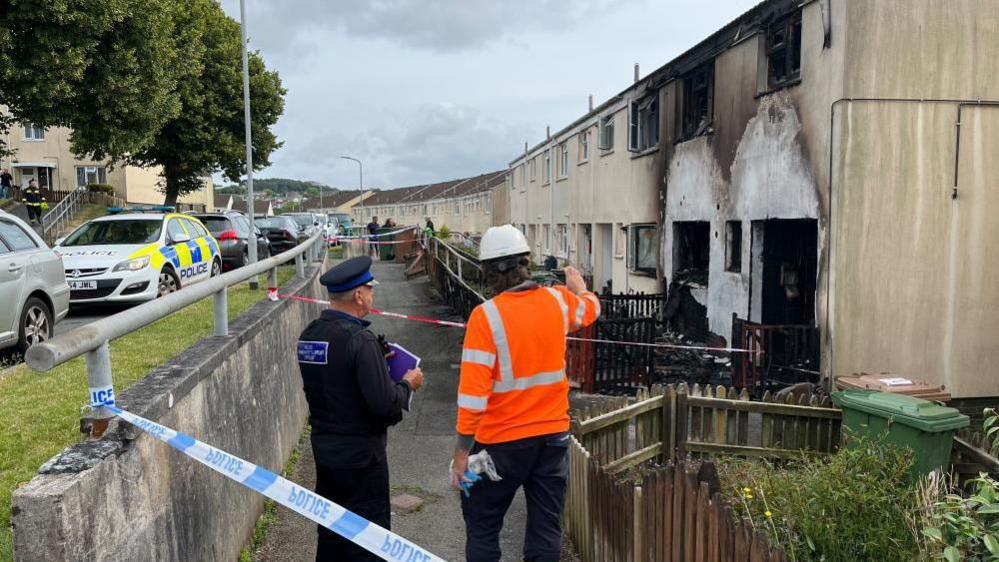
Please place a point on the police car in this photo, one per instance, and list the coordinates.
(137, 255)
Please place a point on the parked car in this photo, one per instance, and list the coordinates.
(282, 232)
(33, 287)
(232, 230)
(307, 222)
(344, 222)
(136, 256)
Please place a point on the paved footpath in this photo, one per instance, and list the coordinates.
(419, 448)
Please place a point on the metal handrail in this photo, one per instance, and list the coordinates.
(92, 339)
(57, 216)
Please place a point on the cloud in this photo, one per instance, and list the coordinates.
(433, 25)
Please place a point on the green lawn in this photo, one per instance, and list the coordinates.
(40, 412)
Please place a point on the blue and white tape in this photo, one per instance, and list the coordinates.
(373, 538)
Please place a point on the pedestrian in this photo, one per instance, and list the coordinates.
(34, 200)
(352, 402)
(513, 398)
(372, 241)
(429, 228)
(6, 184)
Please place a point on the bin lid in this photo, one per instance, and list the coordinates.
(908, 410)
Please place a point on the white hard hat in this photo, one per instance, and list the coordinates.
(501, 242)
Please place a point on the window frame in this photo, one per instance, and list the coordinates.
(733, 255)
(789, 48)
(583, 140)
(643, 116)
(546, 176)
(100, 172)
(634, 241)
(563, 160)
(605, 141)
(33, 133)
(534, 168)
(692, 119)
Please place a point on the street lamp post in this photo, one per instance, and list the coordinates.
(252, 247)
(360, 180)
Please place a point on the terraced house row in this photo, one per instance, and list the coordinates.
(826, 164)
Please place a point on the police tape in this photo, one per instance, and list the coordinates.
(378, 235)
(373, 538)
(274, 295)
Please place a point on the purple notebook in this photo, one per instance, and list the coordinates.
(401, 362)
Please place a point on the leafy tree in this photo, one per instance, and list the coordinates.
(109, 69)
(207, 135)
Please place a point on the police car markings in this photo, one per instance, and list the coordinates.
(375, 539)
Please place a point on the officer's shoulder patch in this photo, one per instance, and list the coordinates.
(313, 352)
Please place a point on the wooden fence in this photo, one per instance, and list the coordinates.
(669, 514)
(974, 453)
(672, 421)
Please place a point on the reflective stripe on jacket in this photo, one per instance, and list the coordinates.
(513, 383)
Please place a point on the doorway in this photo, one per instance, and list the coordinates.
(605, 260)
(790, 267)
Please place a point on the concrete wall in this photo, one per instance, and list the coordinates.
(129, 497)
(913, 288)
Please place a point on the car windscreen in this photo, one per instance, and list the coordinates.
(139, 231)
(272, 223)
(303, 221)
(215, 224)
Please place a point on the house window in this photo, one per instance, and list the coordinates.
(607, 133)
(86, 175)
(643, 248)
(563, 241)
(548, 167)
(584, 146)
(457, 208)
(563, 171)
(733, 246)
(691, 250)
(523, 177)
(33, 132)
(784, 51)
(643, 123)
(698, 94)
(534, 168)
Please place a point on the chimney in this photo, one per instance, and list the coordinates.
(637, 74)
(548, 132)
(591, 102)
(525, 147)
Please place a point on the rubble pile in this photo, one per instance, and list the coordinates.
(689, 365)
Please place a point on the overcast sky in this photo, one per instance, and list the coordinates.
(431, 90)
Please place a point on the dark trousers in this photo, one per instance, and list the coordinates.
(365, 491)
(34, 212)
(541, 466)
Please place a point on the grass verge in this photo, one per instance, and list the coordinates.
(270, 514)
(40, 411)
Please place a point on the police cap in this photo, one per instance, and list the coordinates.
(349, 275)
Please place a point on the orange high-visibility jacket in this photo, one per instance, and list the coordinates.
(513, 383)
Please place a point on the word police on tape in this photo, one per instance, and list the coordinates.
(373, 538)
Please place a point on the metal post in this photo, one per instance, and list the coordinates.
(101, 388)
(252, 253)
(272, 281)
(299, 266)
(221, 301)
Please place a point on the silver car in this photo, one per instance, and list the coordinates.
(33, 289)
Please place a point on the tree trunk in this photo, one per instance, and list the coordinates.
(172, 190)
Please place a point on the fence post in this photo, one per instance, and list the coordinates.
(221, 305)
(299, 266)
(101, 388)
(272, 281)
(638, 531)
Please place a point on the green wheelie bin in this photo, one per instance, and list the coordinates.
(386, 252)
(925, 427)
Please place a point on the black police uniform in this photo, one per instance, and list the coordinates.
(352, 401)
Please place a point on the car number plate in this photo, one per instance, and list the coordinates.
(82, 285)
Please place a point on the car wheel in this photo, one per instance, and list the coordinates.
(168, 283)
(36, 324)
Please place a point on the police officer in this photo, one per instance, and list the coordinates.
(352, 401)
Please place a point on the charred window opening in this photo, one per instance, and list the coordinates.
(643, 249)
(698, 95)
(784, 51)
(733, 246)
(644, 123)
(691, 250)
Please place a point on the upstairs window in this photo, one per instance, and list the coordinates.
(33, 132)
(607, 133)
(584, 146)
(643, 123)
(784, 51)
(563, 171)
(523, 177)
(546, 173)
(534, 168)
(698, 99)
